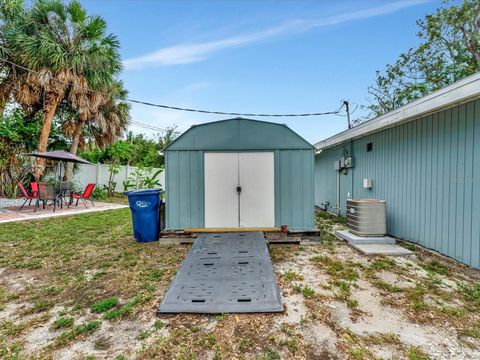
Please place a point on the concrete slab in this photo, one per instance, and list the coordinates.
(381, 249)
(355, 239)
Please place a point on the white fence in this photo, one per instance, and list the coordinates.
(99, 174)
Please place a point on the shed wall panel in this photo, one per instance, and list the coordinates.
(294, 198)
(427, 170)
(184, 172)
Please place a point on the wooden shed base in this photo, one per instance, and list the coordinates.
(228, 230)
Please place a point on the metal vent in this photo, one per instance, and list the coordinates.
(366, 217)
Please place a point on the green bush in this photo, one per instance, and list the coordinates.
(99, 194)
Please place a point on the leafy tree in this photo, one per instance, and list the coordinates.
(449, 51)
(142, 151)
(18, 136)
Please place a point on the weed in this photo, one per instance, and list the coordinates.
(245, 344)
(472, 331)
(9, 328)
(436, 267)
(408, 246)
(63, 322)
(270, 354)
(383, 285)
(10, 352)
(156, 274)
(40, 306)
(336, 268)
(297, 288)
(220, 317)
(382, 339)
(415, 353)
(359, 353)
(78, 331)
(382, 263)
(454, 311)
(292, 276)
(123, 311)
(159, 324)
(206, 341)
(415, 296)
(98, 275)
(144, 335)
(352, 303)
(52, 290)
(344, 290)
(104, 305)
(308, 292)
(470, 293)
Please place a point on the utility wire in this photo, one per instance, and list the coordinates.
(146, 126)
(335, 112)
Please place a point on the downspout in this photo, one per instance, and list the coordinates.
(351, 169)
(338, 193)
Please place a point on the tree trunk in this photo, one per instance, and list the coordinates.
(5, 91)
(50, 109)
(3, 103)
(73, 149)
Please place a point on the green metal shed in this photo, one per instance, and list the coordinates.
(239, 173)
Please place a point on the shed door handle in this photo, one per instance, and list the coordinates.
(239, 189)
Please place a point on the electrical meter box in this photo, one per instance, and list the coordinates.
(348, 162)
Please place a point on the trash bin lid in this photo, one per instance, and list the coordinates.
(143, 192)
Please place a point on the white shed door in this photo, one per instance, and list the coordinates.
(221, 198)
(257, 198)
(250, 172)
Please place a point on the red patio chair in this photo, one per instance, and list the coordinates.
(27, 196)
(87, 193)
(34, 187)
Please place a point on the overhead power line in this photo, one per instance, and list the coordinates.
(146, 126)
(176, 108)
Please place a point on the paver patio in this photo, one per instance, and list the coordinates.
(12, 213)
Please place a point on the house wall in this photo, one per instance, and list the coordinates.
(427, 170)
(293, 188)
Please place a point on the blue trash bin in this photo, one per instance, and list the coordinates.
(144, 205)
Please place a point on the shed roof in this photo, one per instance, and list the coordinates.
(459, 92)
(239, 134)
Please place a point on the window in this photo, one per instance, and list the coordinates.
(369, 147)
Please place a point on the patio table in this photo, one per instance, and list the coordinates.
(64, 190)
(57, 193)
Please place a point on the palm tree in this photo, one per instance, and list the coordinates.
(13, 18)
(107, 121)
(70, 53)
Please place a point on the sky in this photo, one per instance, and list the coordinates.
(257, 56)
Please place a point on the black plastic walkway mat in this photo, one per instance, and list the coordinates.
(225, 273)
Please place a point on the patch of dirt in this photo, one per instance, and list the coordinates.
(375, 318)
(394, 280)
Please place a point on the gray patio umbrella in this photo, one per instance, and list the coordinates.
(61, 156)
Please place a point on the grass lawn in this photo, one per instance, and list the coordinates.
(79, 287)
